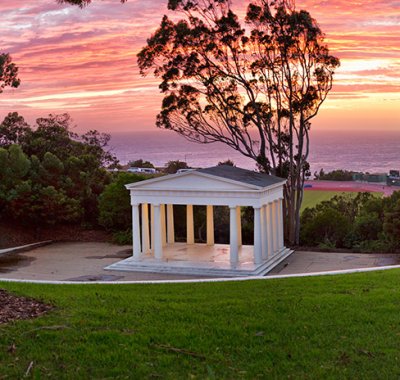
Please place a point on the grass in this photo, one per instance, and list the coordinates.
(312, 197)
(304, 328)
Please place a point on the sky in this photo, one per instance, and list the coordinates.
(84, 62)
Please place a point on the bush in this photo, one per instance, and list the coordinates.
(325, 225)
(391, 224)
(115, 213)
(173, 166)
(363, 223)
(334, 175)
(122, 237)
(367, 227)
(141, 164)
(375, 246)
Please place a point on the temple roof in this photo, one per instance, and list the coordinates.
(242, 175)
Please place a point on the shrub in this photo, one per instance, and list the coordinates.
(122, 237)
(325, 225)
(114, 203)
(173, 166)
(367, 227)
(375, 246)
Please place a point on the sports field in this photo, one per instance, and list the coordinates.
(313, 197)
(325, 190)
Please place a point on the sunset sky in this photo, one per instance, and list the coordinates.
(83, 62)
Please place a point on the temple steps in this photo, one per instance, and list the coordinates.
(203, 269)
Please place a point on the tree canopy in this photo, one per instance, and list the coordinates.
(171, 167)
(8, 72)
(364, 222)
(140, 163)
(48, 174)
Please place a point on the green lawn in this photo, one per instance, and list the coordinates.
(303, 328)
(312, 197)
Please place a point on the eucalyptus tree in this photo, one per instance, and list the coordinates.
(254, 85)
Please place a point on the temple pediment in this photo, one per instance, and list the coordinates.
(221, 178)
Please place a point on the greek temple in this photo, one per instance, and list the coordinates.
(153, 229)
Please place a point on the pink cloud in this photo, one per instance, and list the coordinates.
(63, 50)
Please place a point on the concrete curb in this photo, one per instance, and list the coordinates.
(252, 278)
(24, 248)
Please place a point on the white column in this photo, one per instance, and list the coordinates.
(136, 231)
(170, 224)
(233, 237)
(257, 236)
(281, 238)
(276, 226)
(239, 225)
(189, 224)
(264, 232)
(145, 228)
(152, 226)
(157, 233)
(210, 225)
(163, 226)
(270, 222)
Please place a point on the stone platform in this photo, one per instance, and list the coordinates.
(201, 259)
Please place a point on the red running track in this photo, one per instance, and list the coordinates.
(351, 186)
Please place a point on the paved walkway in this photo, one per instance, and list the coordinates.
(74, 262)
(311, 262)
(85, 262)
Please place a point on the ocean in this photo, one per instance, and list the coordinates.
(374, 152)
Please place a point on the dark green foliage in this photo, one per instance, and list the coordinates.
(228, 162)
(334, 175)
(8, 72)
(122, 237)
(49, 175)
(366, 223)
(367, 226)
(173, 166)
(391, 225)
(141, 164)
(115, 212)
(13, 129)
(31, 191)
(372, 246)
(326, 225)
